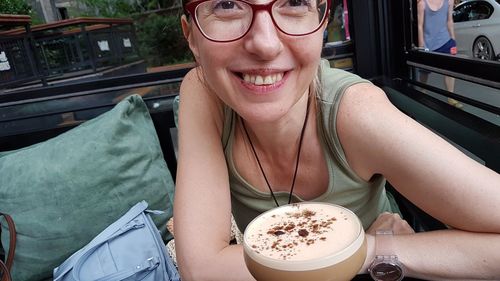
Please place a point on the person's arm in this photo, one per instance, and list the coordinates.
(413, 250)
(202, 208)
(451, 28)
(450, 255)
(420, 23)
(378, 139)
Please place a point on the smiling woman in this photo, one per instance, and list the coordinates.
(263, 122)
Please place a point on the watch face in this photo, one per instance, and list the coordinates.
(386, 271)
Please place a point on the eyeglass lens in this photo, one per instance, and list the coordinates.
(229, 19)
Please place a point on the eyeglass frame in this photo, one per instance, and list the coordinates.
(190, 8)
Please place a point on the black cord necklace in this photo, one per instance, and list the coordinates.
(296, 162)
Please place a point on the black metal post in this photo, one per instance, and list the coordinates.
(35, 57)
(90, 46)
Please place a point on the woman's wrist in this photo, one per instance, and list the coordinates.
(370, 253)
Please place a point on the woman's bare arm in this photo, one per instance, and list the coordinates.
(450, 25)
(438, 255)
(378, 139)
(420, 22)
(202, 208)
(450, 255)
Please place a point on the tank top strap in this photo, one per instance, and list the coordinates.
(227, 129)
(334, 83)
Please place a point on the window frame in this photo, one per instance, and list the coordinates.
(477, 71)
(403, 37)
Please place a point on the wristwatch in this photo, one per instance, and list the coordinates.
(385, 266)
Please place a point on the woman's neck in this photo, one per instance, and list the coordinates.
(280, 139)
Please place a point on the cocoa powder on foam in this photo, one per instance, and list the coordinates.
(294, 234)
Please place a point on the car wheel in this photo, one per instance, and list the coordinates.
(483, 49)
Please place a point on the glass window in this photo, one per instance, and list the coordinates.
(474, 10)
(461, 12)
(476, 28)
(338, 48)
(480, 11)
(466, 78)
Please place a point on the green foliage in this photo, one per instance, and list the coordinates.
(107, 8)
(161, 40)
(160, 36)
(19, 7)
(15, 7)
(121, 8)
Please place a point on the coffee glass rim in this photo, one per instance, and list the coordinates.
(311, 264)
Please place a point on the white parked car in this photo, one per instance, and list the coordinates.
(477, 28)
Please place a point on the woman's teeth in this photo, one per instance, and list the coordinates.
(263, 80)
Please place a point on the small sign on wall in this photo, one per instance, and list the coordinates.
(127, 43)
(4, 62)
(103, 45)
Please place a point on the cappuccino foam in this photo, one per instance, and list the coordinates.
(304, 231)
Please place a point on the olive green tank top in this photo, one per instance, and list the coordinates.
(366, 199)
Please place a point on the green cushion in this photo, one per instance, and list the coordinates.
(64, 191)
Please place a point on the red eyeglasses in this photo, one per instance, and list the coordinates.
(230, 20)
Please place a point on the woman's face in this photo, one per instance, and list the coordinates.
(262, 75)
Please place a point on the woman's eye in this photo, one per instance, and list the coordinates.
(297, 3)
(225, 5)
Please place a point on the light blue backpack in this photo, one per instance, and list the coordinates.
(129, 249)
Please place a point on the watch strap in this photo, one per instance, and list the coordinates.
(385, 266)
(383, 243)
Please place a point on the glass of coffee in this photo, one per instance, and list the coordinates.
(305, 241)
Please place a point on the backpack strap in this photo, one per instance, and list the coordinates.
(5, 272)
(5, 268)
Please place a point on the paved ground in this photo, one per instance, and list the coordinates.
(471, 90)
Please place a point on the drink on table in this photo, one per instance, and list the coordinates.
(305, 241)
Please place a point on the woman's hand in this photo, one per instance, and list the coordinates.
(390, 221)
(385, 221)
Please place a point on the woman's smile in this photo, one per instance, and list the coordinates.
(262, 82)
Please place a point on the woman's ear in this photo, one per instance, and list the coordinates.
(186, 30)
(185, 26)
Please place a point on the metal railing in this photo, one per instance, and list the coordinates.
(17, 64)
(63, 49)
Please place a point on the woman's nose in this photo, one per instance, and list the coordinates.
(263, 39)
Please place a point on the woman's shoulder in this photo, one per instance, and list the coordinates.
(198, 98)
(364, 99)
(420, 4)
(366, 120)
(334, 82)
(365, 110)
(329, 73)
